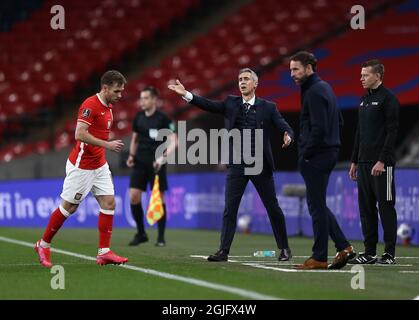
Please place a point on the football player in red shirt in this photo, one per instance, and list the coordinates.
(87, 170)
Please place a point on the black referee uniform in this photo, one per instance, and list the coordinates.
(143, 172)
(375, 141)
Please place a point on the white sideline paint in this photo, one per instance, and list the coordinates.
(384, 265)
(205, 257)
(279, 264)
(200, 283)
(270, 264)
(305, 257)
(260, 266)
(37, 264)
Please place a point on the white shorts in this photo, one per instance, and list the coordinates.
(79, 182)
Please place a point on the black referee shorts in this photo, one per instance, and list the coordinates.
(143, 174)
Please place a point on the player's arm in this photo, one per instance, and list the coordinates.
(82, 134)
(133, 146)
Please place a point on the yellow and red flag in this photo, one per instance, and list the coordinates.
(155, 208)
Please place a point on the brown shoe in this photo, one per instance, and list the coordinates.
(311, 264)
(342, 258)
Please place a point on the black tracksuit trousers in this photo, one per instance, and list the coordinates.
(373, 190)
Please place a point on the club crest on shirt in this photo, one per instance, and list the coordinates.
(86, 113)
(153, 133)
(78, 196)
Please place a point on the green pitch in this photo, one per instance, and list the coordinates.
(179, 271)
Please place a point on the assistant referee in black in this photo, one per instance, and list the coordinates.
(142, 159)
(373, 161)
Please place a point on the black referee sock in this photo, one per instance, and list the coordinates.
(161, 226)
(138, 214)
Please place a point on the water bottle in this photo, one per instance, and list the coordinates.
(264, 253)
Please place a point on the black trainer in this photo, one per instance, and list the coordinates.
(219, 256)
(386, 258)
(285, 255)
(138, 239)
(363, 259)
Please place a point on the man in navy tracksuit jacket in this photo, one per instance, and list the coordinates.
(318, 148)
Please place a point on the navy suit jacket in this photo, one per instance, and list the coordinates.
(267, 118)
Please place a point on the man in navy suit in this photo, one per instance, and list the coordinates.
(247, 113)
(318, 147)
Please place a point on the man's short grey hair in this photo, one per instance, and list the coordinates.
(254, 75)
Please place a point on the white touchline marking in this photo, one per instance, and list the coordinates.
(200, 283)
(279, 263)
(205, 257)
(409, 271)
(37, 264)
(255, 265)
(272, 261)
(239, 256)
(385, 265)
(330, 257)
(334, 256)
(264, 264)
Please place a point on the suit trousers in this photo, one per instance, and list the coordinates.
(236, 183)
(316, 173)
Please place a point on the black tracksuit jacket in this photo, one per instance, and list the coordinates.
(376, 133)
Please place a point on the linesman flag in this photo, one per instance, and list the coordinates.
(155, 207)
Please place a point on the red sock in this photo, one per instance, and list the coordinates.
(55, 222)
(105, 230)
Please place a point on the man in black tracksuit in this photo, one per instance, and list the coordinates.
(373, 161)
(318, 148)
(142, 159)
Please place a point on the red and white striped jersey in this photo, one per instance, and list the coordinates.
(98, 116)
